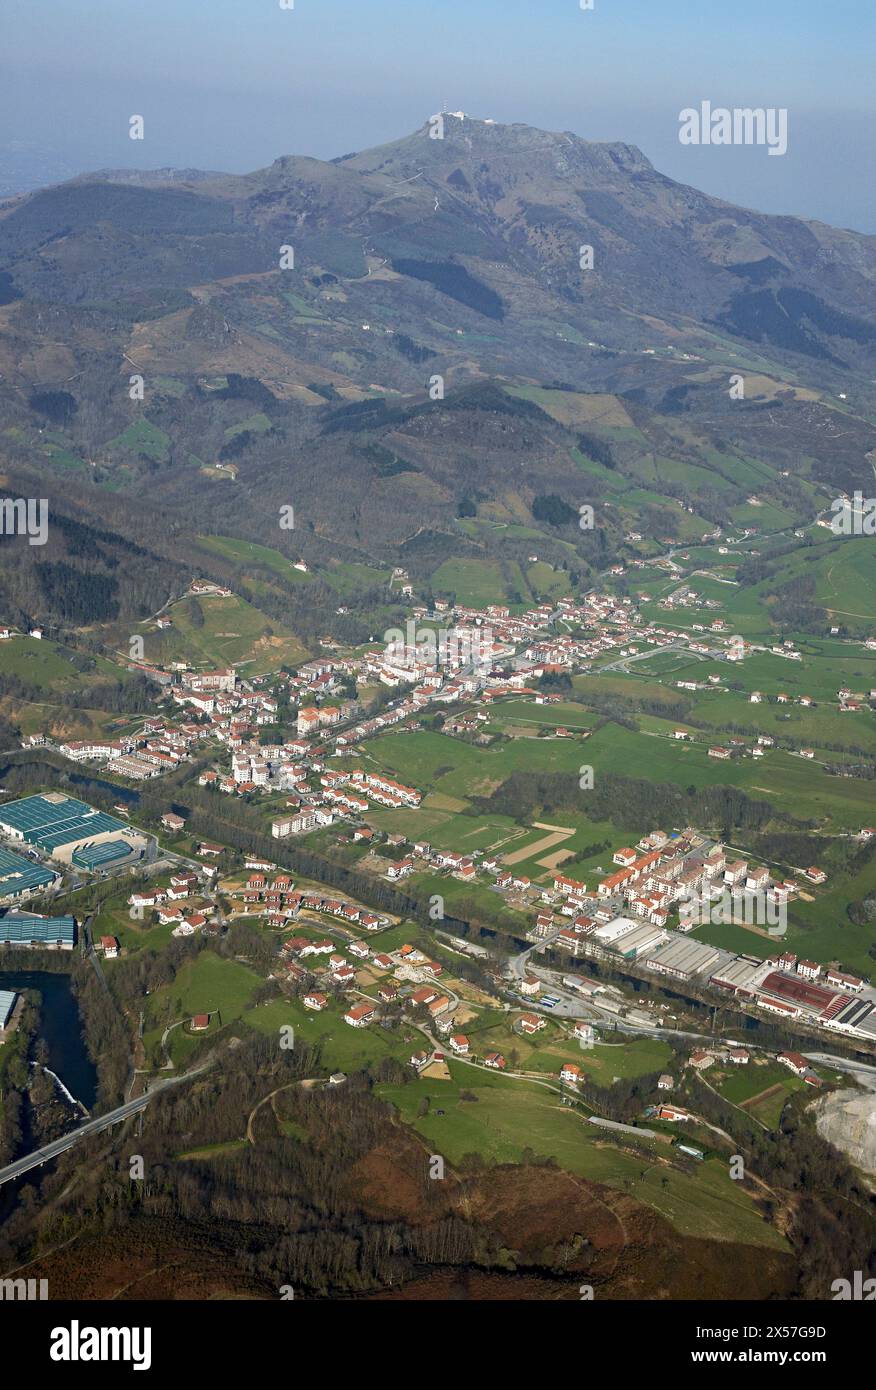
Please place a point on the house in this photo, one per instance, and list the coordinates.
(422, 997)
(144, 899)
(400, 869)
(419, 1060)
(671, 1113)
(529, 985)
(816, 875)
(840, 980)
(315, 1001)
(624, 857)
(809, 969)
(737, 1056)
(200, 1023)
(531, 1023)
(584, 1031)
(495, 1060)
(459, 1042)
(173, 822)
(388, 992)
(794, 1061)
(665, 1082)
(700, 1060)
(360, 1015)
(571, 1074)
(110, 947)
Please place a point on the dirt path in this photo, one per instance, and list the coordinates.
(557, 837)
(762, 1095)
(250, 1137)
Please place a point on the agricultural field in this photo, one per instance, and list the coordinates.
(760, 1090)
(346, 578)
(341, 1048)
(475, 583)
(42, 662)
(49, 667)
(203, 985)
(232, 633)
(513, 1118)
(458, 769)
(142, 438)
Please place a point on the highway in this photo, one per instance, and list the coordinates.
(84, 1131)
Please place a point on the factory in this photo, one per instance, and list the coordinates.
(21, 878)
(37, 933)
(68, 830)
(7, 1007)
(623, 937)
(683, 959)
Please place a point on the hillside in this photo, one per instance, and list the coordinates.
(152, 347)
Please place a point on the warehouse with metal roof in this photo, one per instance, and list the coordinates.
(683, 958)
(58, 824)
(21, 878)
(7, 1004)
(47, 933)
(100, 855)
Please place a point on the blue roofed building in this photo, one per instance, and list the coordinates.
(40, 933)
(60, 825)
(21, 878)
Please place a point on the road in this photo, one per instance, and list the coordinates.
(85, 1131)
(573, 1006)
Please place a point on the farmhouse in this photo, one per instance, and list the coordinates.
(360, 1015)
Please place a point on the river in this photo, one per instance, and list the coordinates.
(60, 1029)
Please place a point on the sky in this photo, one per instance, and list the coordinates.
(233, 84)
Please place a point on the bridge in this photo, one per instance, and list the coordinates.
(90, 1127)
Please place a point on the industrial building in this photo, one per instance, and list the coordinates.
(7, 1004)
(791, 989)
(623, 937)
(59, 825)
(39, 933)
(21, 878)
(682, 959)
(740, 976)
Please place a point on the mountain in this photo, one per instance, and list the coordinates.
(424, 266)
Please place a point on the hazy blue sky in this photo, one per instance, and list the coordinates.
(232, 84)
